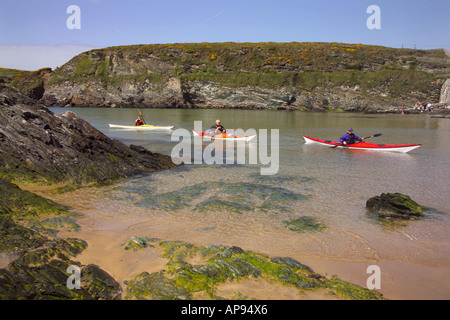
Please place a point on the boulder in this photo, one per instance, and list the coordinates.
(394, 205)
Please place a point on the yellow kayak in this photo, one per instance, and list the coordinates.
(143, 127)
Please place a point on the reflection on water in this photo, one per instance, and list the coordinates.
(235, 204)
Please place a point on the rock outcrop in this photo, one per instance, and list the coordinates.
(445, 92)
(215, 265)
(38, 264)
(394, 205)
(36, 144)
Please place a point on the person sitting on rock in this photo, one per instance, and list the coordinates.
(350, 137)
(139, 121)
(218, 128)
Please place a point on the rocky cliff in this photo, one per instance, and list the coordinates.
(445, 92)
(298, 76)
(37, 145)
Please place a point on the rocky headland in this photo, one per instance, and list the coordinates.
(39, 146)
(286, 76)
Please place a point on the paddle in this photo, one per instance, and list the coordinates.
(372, 136)
(141, 116)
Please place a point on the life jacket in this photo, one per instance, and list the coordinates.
(218, 129)
(138, 122)
(351, 138)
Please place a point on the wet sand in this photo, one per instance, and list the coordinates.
(105, 248)
(106, 233)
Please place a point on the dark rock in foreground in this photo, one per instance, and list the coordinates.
(394, 205)
(38, 265)
(43, 274)
(37, 145)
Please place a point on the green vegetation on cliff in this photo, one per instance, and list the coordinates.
(268, 65)
(315, 75)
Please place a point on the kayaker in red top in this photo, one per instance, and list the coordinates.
(139, 121)
(349, 137)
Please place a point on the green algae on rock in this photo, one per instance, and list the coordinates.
(39, 270)
(233, 197)
(394, 205)
(38, 213)
(137, 242)
(214, 204)
(16, 201)
(184, 279)
(42, 274)
(305, 223)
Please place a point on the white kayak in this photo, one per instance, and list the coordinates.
(224, 136)
(143, 127)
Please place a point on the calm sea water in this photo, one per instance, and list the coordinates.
(236, 205)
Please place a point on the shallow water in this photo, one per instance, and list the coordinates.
(236, 205)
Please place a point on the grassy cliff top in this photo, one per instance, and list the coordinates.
(269, 57)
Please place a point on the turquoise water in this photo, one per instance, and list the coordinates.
(234, 204)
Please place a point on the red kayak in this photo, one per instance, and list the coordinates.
(364, 145)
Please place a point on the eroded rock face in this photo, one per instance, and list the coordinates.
(296, 76)
(36, 144)
(445, 92)
(394, 205)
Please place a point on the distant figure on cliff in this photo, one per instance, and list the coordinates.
(139, 121)
(350, 137)
(218, 128)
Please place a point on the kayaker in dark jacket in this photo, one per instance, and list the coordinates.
(349, 137)
(218, 128)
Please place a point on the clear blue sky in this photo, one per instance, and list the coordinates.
(33, 34)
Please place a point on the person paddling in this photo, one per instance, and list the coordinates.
(139, 121)
(218, 128)
(350, 137)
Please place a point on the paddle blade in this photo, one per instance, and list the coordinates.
(141, 116)
(373, 136)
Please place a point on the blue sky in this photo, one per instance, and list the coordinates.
(33, 34)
